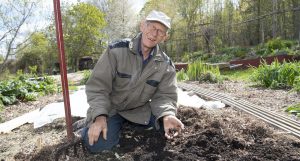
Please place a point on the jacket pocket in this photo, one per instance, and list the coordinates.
(149, 90)
(121, 80)
(123, 75)
(153, 83)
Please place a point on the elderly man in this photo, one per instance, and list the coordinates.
(133, 81)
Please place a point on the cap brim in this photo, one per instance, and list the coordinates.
(158, 20)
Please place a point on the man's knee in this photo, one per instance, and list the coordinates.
(101, 144)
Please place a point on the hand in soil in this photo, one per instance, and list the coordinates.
(98, 127)
(172, 126)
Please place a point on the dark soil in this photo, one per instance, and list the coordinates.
(209, 135)
(224, 134)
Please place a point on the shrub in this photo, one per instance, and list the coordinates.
(237, 52)
(277, 75)
(5, 75)
(181, 75)
(24, 88)
(190, 57)
(198, 71)
(86, 76)
(275, 44)
(278, 45)
(296, 85)
(220, 58)
(209, 77)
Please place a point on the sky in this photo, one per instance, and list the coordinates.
(44, 11)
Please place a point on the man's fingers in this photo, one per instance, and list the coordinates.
(167, 132)
(179, 130)
(175, 134)
(104, 133)
(93, 134)
(181, 126)
(91, 141)
(167, 135)
(91, 137)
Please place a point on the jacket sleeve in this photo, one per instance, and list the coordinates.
(164, 101)
(99, 86)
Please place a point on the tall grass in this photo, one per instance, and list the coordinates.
(181, 75)
(198, 68)
(199, 71)
(276, 75)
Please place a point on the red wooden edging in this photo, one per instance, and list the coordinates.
(246, 63)
(179, 66)
(63, 69)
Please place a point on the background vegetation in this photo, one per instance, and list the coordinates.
(26, 87)
(202, 31)
(216, 31)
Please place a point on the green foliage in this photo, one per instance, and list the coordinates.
(294, 109)
(86, 76)
(296, 85)
(220, 58)
(34, 53)
(199, 71)
(278, 44)
(243, 75)
(73, 88)
(33, 70)
(1, 58)
(82, 23)
(277, 75)
(24, 88)
(1, 104)
(5, 75)
(191, 57)
(181, 75)
(209, 77)
(237, 52)
(223, 55)
(29, 60)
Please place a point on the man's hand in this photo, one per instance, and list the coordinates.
(172, 126)
(96, 128)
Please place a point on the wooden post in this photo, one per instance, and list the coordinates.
(63, 68)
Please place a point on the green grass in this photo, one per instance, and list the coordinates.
(240, 75)
(73, 88)
(294, 109)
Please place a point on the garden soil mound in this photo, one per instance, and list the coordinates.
(209, 135)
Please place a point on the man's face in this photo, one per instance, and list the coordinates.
(153, 33)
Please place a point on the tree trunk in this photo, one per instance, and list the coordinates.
(284, 17)
(274, 22)
(262, 33)
(296, 20)
(259, 23)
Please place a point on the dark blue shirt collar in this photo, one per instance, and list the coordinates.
(141, 53)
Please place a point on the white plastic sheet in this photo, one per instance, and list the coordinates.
(190, 99)
(79, 106)
(50, 112)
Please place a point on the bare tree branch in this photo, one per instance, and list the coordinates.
(15, 32)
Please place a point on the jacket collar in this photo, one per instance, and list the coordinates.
(134, 48)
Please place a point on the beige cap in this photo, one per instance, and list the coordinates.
(160, 17)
